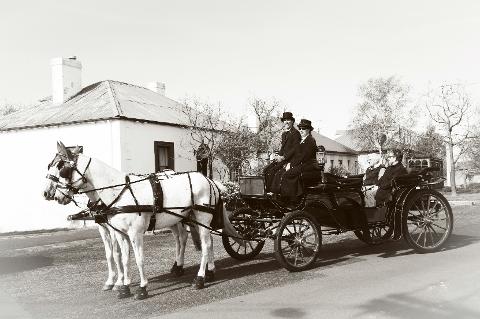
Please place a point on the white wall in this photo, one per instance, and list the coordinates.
(23, 167)
(137, 143)
(344, 159)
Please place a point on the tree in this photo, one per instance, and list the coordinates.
(267, 116)
(430, 144)
(450, 107)
(473, 149)
(382, 114)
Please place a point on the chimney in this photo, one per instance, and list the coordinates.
(157, 87)
(66, 78)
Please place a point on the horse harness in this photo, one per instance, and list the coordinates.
(99, 212)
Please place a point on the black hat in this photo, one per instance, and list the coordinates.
(287, 116)
(305, 124)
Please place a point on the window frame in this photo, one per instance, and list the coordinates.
(171, 154)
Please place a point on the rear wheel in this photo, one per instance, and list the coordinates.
(244, 220)
(427, 221)
(298, 241)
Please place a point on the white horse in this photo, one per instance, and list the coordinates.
(107, 233)
(182, 194)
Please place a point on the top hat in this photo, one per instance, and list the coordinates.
(287, 116)
(305, 124)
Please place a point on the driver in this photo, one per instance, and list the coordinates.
(290, 139)
(287, 180)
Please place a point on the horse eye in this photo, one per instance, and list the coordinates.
(60, 164)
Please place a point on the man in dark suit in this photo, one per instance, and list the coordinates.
(394, 168)
(287, 180)
(290, 140)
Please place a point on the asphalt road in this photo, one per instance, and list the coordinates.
(59, 275)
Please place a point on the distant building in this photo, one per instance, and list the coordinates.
(338, 154)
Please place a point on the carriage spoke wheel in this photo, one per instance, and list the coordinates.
(427, 221)
(298, 241)
(244, 220)
(378, 234)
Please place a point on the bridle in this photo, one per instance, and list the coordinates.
(66, 166)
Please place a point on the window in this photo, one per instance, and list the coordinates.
(235, 173)
(164, 156)
(340, 162)
(348, 164)
(331, 163)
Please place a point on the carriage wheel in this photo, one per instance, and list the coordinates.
(378, 234)
(244, 220)
(427, 221)
(298, 241)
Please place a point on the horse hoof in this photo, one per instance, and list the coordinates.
(209, 275)
(117, 287)
(141, 293)
(177, 270)
(199, 282)
(107, 287)
(124, 292)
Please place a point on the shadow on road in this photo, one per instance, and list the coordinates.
(414, 305)
(11, 265)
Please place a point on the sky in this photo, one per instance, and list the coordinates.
(310, 55)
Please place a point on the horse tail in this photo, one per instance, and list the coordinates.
(195, 237)
(228, 228)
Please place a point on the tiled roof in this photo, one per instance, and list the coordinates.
(331, 145)
(102, 100)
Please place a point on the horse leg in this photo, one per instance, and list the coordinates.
(180, 235)
(205, 238)
(117, 256)
(124, 290)
(108, 245)
(210, 272)
(137, 244)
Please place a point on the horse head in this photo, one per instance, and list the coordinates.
(61, 172)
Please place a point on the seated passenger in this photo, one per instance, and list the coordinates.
(287, 180)
(290, 140)
(374, 171)
(394, 168)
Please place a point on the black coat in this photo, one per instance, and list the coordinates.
(305, 153)
(290, 140)
(371, 175)
(385, 182)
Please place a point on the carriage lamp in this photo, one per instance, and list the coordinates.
(321, 155)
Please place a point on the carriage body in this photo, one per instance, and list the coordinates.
(334, 205)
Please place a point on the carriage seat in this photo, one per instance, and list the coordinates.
(313, 179)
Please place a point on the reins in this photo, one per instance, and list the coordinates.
(102, 210)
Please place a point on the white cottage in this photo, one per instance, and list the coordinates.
(131, 128)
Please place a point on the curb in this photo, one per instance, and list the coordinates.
(464, 203)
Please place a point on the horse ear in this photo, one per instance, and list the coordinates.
(62, 149)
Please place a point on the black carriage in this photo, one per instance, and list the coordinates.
(334, 205)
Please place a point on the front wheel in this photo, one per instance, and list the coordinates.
(427, 221)
(298, 241)
(245, 222)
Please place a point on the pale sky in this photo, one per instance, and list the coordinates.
(310, 55)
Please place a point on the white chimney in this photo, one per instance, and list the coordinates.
(66, 78)
(157, 87)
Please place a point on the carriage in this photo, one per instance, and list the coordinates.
(334, 205)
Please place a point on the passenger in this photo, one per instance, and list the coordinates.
(374, 171)
(290, 140)
(394, 168)
(287, 180)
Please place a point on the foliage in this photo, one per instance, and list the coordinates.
(229, 140)
(232, 197)
(430, 144)
(338, 170)
(383, 113)
(267, 116)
